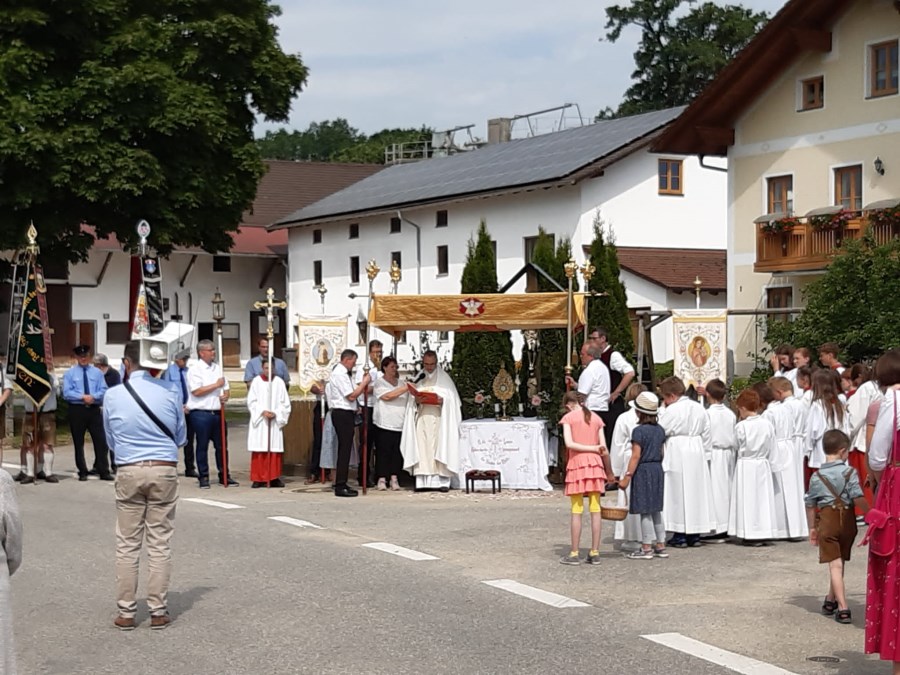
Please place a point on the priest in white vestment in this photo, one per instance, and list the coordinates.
(264, 434)
(430, 440)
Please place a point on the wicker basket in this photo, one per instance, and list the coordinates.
(616, 513)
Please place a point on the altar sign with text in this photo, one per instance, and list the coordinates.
(320, 341)
(700, 345)
(518, 449)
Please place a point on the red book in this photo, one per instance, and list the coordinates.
(426, 397)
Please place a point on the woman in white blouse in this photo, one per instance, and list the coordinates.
(390, 409)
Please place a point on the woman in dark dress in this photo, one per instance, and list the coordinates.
(645, 475)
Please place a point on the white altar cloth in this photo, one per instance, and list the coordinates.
(518, 449)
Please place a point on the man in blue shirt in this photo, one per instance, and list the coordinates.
(176, 373)
(254, 365)
(84, 389)
(146, 452)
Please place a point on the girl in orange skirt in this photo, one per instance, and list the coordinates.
(586, 472)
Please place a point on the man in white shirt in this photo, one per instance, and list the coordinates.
(593, 383)
(342, 401)
(621, 374)
(208, 393)
(376, 351)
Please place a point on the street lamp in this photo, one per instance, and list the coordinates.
(218, 315)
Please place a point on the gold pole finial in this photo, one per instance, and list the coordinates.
(32, 239)
(395, 272)
(372, 269)
(570, 268)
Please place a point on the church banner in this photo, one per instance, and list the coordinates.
(701, 354)
(476, 312)
(321, 339)
(32, 375)
(17, 300)
(152, 278)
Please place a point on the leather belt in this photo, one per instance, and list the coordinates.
(150, 462)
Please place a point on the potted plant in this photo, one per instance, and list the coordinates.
(780, 226)
(832, 221)
(887, 218)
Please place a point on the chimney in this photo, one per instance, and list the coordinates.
(499, 130)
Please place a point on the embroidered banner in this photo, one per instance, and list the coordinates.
(17, 300)
(321, 339)
(140, 324)
(701, 354)
(32, 374)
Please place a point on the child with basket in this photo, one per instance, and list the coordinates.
(586, 472)
(646, 478)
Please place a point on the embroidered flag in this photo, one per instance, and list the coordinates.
(32, 373)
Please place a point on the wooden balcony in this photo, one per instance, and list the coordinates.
(805, 249)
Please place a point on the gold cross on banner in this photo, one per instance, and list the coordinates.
(270, 306)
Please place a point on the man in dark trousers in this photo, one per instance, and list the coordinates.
(342, 398)
(84, 389)
(176, 373)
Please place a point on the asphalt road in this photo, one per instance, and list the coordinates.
(253, 595)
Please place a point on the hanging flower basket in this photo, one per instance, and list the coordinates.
(780, 226)
(833, 221)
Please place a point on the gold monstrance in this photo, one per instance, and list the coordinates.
(504, 388)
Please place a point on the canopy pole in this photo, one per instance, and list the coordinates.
(570, 268)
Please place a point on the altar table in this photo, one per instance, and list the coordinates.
(518, 449)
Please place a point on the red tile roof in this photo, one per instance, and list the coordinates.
(675, 268)
(285, 188)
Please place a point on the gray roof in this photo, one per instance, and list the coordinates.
(521, 162)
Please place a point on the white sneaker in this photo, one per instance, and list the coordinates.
(395, 484)
(381, 484)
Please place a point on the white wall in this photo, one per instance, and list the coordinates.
(626, 195)
(239, 288)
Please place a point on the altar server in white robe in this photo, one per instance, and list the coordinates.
(826, 412)
(688, 511)
(628, 531)
(430, 440)
(722, 457)
(795, 411)
(264, 434)
(752, 515)
(790, 509)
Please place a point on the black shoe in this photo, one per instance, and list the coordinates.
(93, 472)
(51, 479)
(190, 473)
(204, 483)
(444, 489)
(82, 477)
(19, 476)
(231, 482)
(107, 476)
(257, 484)
(41, 475)
(344, 491)
(27, 480)
(277, 483)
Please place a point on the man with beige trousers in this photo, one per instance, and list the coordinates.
(145, 426)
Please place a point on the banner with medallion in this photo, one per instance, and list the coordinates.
(321, 339)
(701, 354)
(152, 288)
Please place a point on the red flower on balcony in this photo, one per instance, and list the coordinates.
(889, 218)
(780, 226)
(832, 221)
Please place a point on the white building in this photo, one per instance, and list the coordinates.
(423, 215)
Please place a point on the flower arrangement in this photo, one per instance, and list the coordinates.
(480, 399)
(785, 224)
(539, 402)
(885, 217)
(833, 221)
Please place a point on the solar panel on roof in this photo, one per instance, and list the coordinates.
(520, 162)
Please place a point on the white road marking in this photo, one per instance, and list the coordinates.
(213, 502)
(548, 598)
(10, 465)
(735, 662)
(399, 550)
(296, 522)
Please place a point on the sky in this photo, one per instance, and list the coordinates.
(405, 63)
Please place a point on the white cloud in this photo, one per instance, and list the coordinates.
(403, 63)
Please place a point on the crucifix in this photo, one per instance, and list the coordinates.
(270, 306)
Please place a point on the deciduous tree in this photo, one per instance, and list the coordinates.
(117, 110)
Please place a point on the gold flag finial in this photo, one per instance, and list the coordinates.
(372, 269)
(32, 239)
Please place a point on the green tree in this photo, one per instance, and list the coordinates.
(610, 310)
(477, 356)
(679, 53)
(552, 355)
(117, 110)
(856, 303)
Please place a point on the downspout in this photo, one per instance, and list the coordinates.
(418, 251)
(710, 166)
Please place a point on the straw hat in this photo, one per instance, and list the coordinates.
(646, 403)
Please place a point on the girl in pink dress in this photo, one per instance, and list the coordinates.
(883, 586)
(586, 472)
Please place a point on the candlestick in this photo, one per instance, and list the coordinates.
(521, 408)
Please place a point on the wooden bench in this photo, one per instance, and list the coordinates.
(475, 474)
